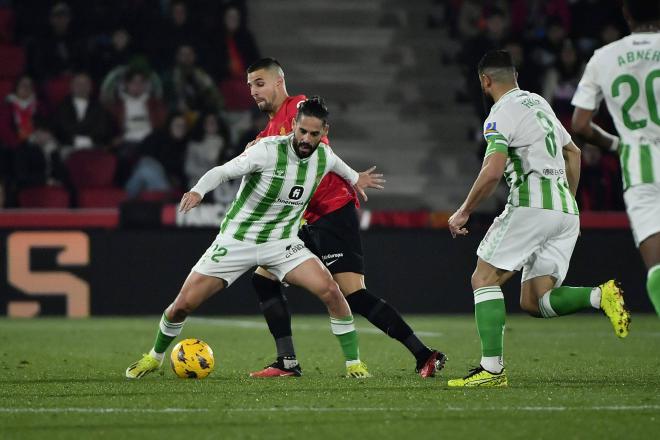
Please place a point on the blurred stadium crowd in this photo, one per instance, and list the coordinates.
(110, 100)
(550, 41)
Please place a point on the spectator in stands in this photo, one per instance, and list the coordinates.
(189, 89)
(560, 83)
(58, 51)
(528, 72)
(80, 121)
(36, 162)
(529, 18)
(19, 112)
(550, 45)
(207, 148)
(114, 83)
(160, 166)
(239, 44)
(493, 37)
(176, 30)
(137, 113)
(112, 52)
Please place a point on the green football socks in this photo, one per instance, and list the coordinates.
(565, 300)
(489, 312)
(167, 332)
(344, 329)
(653, 287)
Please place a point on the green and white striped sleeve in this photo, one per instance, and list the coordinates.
(251, 160)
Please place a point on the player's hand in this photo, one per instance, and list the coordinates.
(249, 144)
(189, 201)
(368, 179)
(457, 222)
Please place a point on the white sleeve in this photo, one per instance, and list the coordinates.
(565, 136)
(588, 94)
(251, 160)
(340, 168)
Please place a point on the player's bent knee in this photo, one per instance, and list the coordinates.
(479, 280)
(331, 293)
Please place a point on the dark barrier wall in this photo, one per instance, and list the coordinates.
(139, 272)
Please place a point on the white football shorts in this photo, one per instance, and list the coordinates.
(643, 208)
(228, 258)
(538, 241)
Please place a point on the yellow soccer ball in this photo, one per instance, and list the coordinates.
(192, 359)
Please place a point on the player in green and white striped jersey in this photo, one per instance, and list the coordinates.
(260, 228)
(538, 229)
(626, 73)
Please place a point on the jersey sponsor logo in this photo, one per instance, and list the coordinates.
(292, 249)
(290, 202)
(553, 172)
(296, 192)
(331, 256)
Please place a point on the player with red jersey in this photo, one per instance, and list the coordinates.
(332, 232)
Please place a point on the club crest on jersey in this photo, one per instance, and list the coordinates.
(280, 172)
(282, 131)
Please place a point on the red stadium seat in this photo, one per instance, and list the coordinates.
(236, 94)
(91, 168)
(44, 197)
(57, 89)
(13, 61)
(100, 197)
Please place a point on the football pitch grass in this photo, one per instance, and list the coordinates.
(568, 378)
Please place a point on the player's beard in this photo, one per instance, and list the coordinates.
(487, 101)
(309, 148)
(265, 107)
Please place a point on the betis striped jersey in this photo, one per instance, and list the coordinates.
(276, 188)
(626, 73)
(523, 126)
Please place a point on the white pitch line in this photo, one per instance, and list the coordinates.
(302, 409)
(102, 410)
(244, 323)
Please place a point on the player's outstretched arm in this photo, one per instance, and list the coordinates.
(588, 131)
(489, 176)
(248, 162)
(572, 158)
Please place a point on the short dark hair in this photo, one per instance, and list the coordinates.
(495, 59)
(314, 106)
(643, 11)
(264, 63)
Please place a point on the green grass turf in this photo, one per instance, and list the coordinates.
(569, 378)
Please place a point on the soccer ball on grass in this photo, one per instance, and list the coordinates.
(192, 359)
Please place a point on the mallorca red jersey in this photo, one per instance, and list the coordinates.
(333, 192)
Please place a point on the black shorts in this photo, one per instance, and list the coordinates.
(335, 239)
